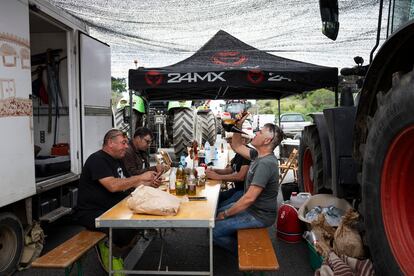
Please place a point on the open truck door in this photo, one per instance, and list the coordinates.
(95, 89)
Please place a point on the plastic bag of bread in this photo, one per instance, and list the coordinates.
(347, 240)
(148, 200)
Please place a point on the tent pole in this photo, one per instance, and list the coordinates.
(278, 119)
(336, 95)
(130, 113)
(278, 110)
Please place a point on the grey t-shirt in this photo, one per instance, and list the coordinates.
(264, 172)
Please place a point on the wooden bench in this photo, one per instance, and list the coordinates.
(70, 252)
(256, 251)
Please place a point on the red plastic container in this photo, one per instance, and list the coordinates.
(289, 228)
(60, 149)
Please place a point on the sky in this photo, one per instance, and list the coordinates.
(159, 33)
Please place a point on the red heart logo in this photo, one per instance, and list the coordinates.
(228, 58)
(153, 78)
(255, 76)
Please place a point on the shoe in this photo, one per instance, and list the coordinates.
(103, 256)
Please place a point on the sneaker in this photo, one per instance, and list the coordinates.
(103, 256)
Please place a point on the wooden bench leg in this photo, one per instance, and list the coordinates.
(79, 266)
(78, 263)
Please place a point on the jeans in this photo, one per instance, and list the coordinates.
(229, 198)
(225, 231)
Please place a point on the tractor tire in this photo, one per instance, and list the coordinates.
(138, 120)
(11, 243)
(182, 130)
(220, 129)
(310, 161)
(387, 181)
(208, 127)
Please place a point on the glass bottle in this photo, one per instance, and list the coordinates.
(191, 185)
(180, 189)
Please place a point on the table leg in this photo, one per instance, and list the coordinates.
(110, 251)
(211, 250)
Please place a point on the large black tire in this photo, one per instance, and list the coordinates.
(208, 127)
(220, 129)
(182, 130)
(11, 243)
(138, 120)
(310, 161)
(387, 181)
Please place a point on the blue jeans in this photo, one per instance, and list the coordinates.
(234, 196)
(225, 231)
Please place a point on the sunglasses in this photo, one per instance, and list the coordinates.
(148, 141)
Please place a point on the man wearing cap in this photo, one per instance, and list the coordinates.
(235, 172)
(257, 208)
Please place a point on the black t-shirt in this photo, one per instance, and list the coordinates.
(93, 196)
(236, 163)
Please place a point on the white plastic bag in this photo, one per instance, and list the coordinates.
(148, 200)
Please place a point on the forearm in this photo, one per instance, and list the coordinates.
(241, 205)
(236, 141)
(232, 177)
(123, 184)
(226, 170)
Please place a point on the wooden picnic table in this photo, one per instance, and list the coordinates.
(192, 214)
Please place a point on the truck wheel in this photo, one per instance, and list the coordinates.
(387, 182)
(310, 161)
(220, 129)
(11, 243)
(137, 120)
(182, 130)
(208, 127)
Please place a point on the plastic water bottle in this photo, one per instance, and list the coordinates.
(172, 180)
(216, 153)
(182, 161)
(297, 200)
(207, 153)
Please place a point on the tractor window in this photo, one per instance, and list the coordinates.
(235, 107)
(402, 12)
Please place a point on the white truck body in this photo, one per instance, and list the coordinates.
(28, 28)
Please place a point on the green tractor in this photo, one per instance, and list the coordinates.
(187, 121)
(123, 117)
(174, 123)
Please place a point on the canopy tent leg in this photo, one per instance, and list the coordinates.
(278, 110)
(130, 113)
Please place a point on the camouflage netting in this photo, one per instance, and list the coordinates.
(159, 33)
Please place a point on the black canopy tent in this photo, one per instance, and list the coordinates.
(227, 68)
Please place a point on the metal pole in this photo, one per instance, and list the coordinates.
(159, 136)
(110, 252)
(336, 96)
(278, 110)
(130, 113)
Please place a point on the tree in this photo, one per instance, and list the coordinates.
(305, 103)
(118, 85)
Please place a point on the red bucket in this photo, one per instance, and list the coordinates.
(289, 228)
